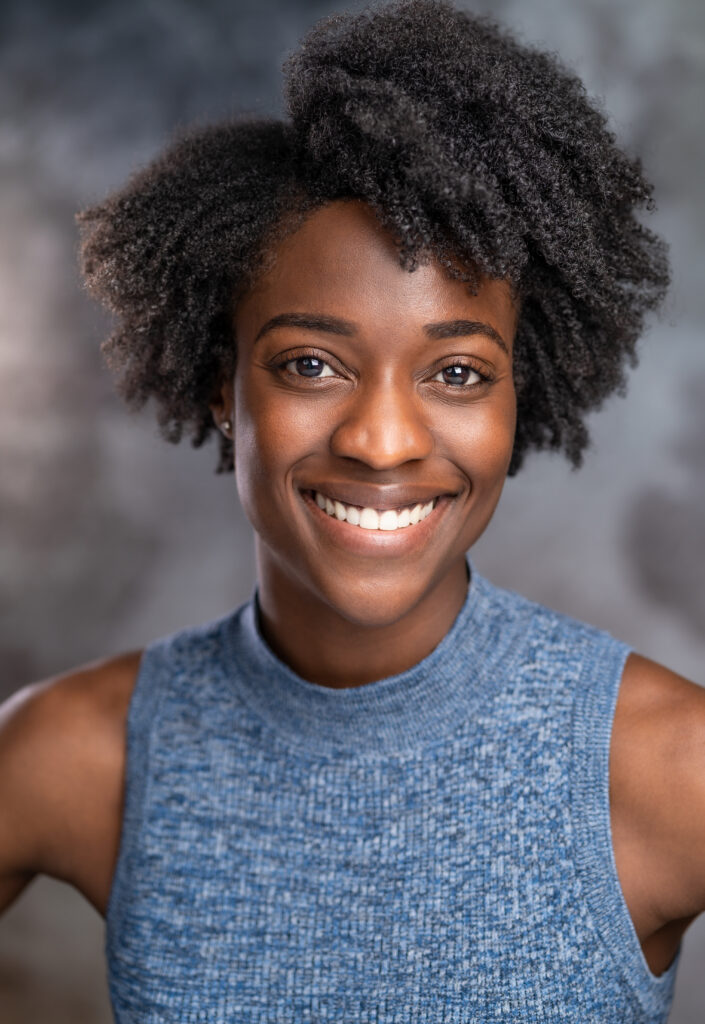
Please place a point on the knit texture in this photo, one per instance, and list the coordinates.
(432, 847)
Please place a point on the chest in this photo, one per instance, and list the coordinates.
(438, 886)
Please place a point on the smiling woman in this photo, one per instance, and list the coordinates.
(381, 390)
(383, 789)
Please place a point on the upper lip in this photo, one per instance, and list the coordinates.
(378, 496)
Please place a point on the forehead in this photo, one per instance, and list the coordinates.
(342, 261)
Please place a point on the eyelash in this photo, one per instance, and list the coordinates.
(483, 374)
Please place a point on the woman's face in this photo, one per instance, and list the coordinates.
(384, 395)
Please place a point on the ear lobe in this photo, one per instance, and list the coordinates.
(222, 407)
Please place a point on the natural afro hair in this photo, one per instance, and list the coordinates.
(472, 149)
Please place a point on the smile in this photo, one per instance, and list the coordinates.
(372, 518)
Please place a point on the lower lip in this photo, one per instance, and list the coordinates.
(378, 542)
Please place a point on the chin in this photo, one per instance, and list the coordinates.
(374, 601)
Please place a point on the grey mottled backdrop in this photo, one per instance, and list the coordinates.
(110, 537)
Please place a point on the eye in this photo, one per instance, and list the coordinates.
(458, 375)
(308, 366)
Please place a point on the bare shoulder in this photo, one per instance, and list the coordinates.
(62, 760)
(657, 794)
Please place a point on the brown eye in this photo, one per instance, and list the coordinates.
(458, 375)
(309, 366)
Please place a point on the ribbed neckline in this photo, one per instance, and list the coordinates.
(424, 703)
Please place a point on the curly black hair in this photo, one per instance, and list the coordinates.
(472, 149)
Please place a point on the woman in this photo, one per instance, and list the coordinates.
(384, 789)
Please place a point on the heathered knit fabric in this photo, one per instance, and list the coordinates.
(432, 847)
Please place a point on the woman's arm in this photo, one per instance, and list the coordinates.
(62, 752)
(657, 797)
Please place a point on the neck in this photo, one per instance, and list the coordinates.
(322, 646)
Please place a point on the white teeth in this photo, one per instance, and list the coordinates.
(389, 520)
(371, 518)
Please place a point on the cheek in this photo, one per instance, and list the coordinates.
(271, 435)
(483, 442)
(487, 444)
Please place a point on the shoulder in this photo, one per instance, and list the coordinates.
(62, 755)
(89, 703)
(509, 606)
(657, 785)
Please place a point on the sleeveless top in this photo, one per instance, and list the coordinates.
(432, 847)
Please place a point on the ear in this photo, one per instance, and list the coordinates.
(222, 407)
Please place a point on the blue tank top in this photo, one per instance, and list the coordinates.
(432, 847)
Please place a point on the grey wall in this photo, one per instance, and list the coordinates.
(110, 537)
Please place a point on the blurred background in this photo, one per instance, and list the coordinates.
(110, 537)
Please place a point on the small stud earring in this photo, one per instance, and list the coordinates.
(226, 426)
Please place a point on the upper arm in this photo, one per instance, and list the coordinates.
(657, 778)
(15, 825)
(61, 771)
(24, 759)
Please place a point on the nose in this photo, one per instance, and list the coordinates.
(382, 426)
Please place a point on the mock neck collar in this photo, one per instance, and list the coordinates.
(420, 705)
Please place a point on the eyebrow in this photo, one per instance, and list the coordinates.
(464, 328)
(335, 325)
(329, 324)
